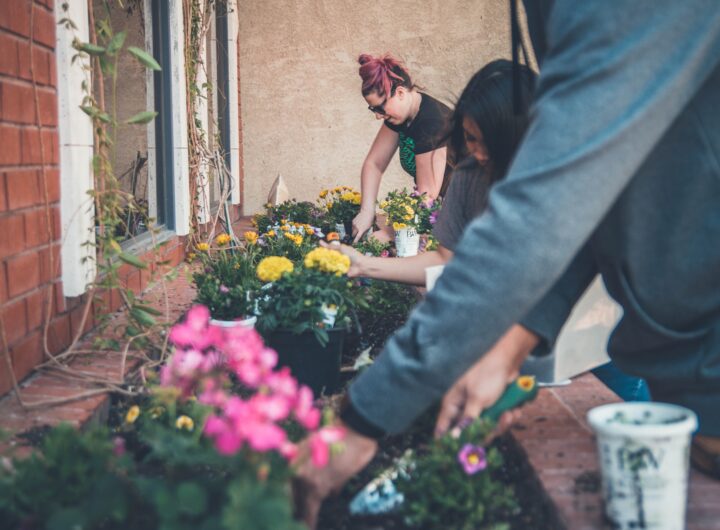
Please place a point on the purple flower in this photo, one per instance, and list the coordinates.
(224, 289)
(118, 446)
(434, 216)
(472, 458)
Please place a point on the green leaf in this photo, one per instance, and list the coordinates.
(149, 309)
(143, 117)
(145, 58)
(92, 49)
(142, 317)
(95, 112)
(116, 43)
(133, 260)
(191, 498)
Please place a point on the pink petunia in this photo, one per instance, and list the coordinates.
(195, 331)
(320, 443)
(472, 458)
(305, 412)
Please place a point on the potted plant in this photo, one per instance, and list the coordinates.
(341, 205)
(286, 238)
(225, 283)
(291, 210)
(305, 311)
(410, 215)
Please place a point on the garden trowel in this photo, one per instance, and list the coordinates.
(380, 496)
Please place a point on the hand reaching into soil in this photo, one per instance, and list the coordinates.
(362, 223)
(483, 384)
(311, 485)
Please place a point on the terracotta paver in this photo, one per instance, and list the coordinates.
(561, 448)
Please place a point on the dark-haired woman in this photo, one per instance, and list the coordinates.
(413, 123)
(485, 131)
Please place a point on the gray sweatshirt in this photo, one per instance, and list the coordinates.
(619, 173)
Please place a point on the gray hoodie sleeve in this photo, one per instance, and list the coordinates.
(614, 79)
(548, 316)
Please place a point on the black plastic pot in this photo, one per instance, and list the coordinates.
(311, 363)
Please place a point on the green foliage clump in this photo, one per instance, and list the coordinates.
(291, 210)
(439, 494)
(156, 474)
(225, 284)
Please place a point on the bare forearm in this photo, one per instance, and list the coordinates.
(404, 270)
(369, 185)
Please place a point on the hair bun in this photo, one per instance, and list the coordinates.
(365, 58)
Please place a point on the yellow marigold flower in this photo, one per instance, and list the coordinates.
(327, 260)
(202, 247)
(251, 237)
(351, 197)
(399, 226)
(272, 268)
(285, 228)
(184, 423)
(333, 236)
(323, 194)
(132, 414)
(295, 238)
(223, 239)
(271, 233)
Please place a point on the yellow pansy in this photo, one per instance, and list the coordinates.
(184, 423)
(399, 226)
(132, 414)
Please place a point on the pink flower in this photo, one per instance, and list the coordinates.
(195, 331)
(472, 458)
(118, 446)
(272, 407)
(224, 289)
(289, 451)
(320, 443)
(385, 253)
(305, 412)
(266, 436)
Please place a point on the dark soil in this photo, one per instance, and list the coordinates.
(34, 436)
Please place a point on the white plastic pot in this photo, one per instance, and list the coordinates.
(644, 452)
(407, 242)
(245, 323)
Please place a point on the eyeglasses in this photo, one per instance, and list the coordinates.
(378, 109)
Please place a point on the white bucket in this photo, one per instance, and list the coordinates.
(407, 242)
(245, 323)
(340, 229)
(644, 452)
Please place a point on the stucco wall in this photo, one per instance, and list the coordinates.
(302, 112)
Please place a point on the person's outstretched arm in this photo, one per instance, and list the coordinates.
(409, 270)
(614, 80)
(376, 162)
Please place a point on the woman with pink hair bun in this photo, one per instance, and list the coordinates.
(413, 123)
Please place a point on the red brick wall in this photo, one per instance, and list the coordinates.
(28, 178)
